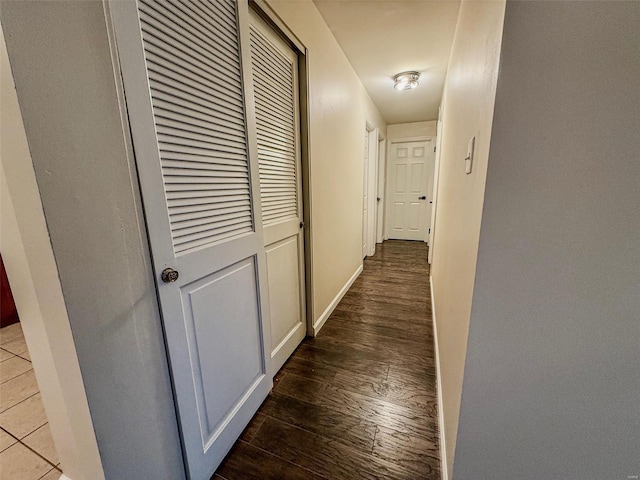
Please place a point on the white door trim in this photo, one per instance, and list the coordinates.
(373, 134)
(365, 193)
(382, 183)
(373, 189)
(436, 176)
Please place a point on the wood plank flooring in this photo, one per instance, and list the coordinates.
(359, 400)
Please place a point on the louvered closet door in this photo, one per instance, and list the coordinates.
(275, 82)
(185, 93)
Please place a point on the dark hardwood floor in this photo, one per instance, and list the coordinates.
(359, 400)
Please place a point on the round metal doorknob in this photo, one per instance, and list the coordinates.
(169, 275)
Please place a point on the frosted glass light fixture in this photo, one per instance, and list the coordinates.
(406, 80)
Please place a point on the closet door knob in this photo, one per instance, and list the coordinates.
(169, 275)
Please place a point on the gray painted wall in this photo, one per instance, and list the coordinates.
(552, 377)
(64, 77)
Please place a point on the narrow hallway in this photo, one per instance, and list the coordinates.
(359, 400)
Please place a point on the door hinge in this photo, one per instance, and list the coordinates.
(434, 149)
(301, 224)
(429, 230)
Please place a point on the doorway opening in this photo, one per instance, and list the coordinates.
(380, 198)
(370, 190)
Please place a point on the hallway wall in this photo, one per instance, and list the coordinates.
(67, 92)
(552, 378)
(339, 108)
(35, 284)
(467, 111)
(414, 129)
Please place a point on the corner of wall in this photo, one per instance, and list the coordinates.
(319, 323)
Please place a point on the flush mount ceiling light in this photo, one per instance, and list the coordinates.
(406, 80)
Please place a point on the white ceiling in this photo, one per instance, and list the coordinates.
(385, 37)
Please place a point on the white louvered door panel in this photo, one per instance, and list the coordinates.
(186, 91)
(275, 84)
(197, 97)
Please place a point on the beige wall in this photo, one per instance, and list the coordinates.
(339, 109)
(467, 111)
(414, 129)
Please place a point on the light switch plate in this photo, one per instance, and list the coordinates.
(468, 161)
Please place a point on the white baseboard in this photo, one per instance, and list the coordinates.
(444, 471)
(64, 477)
(334, 303)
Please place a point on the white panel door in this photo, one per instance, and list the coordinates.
(185, 94)
(275, 84)
(408, 212)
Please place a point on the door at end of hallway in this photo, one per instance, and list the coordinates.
(409, 190)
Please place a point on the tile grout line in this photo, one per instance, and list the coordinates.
(19, 441)
(38, 454)
(54, 468)
(2, 382)
(32, 431)
(9, 433)
(21, 401)
(5, 350)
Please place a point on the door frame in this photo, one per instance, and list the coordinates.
(373, 136)
(264, 10)
(436, 177)
(390, 143)
(381, 186)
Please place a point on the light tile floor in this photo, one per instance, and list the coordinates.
(26, 447)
